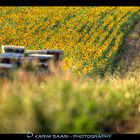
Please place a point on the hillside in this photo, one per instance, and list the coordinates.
(91, 37)
(131, 56)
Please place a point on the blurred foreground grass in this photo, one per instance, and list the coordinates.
(68, 104)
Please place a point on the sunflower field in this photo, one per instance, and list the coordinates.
(91, 37)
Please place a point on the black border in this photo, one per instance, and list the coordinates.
(113, 137)
(69, 2)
